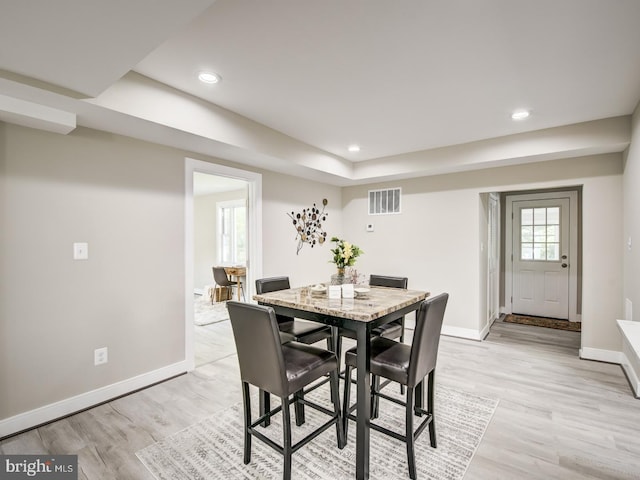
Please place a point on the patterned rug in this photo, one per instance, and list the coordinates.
(544, 322)
(204, 313)
(212, 448)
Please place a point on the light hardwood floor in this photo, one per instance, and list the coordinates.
(559, 417)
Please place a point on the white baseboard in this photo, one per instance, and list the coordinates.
(468, 333)
(53, 411)
(610, 356)
(632, 376)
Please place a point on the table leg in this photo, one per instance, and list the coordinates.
(364, 403)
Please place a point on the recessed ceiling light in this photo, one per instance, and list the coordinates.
(209, 77)
(520, 114)
(354, 148)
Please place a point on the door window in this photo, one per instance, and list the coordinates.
(540, 234)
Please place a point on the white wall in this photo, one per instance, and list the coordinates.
(632, 219)
(205, 234)
(281, 195)
(126, 198)
(436, 240)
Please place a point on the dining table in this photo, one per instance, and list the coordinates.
(237, 273)
(375, 307)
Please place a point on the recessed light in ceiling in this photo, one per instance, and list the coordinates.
(209, 77)
(354, 148)
(520, 114)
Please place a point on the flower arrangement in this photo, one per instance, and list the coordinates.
(344, 254)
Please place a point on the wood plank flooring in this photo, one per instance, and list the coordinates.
(559, 417)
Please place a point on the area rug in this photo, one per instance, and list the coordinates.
(204, 313)
(212, 448)
(543, 322)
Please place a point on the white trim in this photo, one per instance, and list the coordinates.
(68, 406)
(632, 376)
(468, 333)
(599, 355)
(631, 352)
(254, 260)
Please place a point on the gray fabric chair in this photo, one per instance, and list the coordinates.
(222, 279)
(282, 370)
(408, 365)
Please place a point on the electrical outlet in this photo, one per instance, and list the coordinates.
(81, 251)
(100, 356)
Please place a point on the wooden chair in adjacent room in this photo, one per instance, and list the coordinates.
(223, 284)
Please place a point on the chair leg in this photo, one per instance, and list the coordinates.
(345, 404)
(264, 405)
(402, 341)
(375, 399)
(335, 398)
(246, 401)
(419, 396)
(430, 409)
(299, 407)
(286, 430)
(411, 455)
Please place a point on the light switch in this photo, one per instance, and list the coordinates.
(81, 251)
(369, 227)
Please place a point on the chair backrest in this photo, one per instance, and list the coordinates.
(273, 284)
(257, 338)
(426, 338)
(385, 281)
(220, 276)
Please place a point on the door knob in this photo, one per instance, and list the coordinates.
(564, 265)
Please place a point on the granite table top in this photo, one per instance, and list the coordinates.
(379, 301)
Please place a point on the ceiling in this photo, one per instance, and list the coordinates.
(423, 86)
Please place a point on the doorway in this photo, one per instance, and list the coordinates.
(198, 273)
(541, 254)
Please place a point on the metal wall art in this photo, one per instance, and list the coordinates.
(308, 225)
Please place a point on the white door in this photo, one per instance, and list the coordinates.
(541, 258)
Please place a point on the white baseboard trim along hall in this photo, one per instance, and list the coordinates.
(610, 356)
(460, 332)
(68, 406)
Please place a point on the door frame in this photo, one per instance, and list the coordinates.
(572, 195)
(254, 226)
(493, 247)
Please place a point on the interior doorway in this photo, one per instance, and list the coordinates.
(541, 254)
(211, 191)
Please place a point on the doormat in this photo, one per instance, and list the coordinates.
(543, 322)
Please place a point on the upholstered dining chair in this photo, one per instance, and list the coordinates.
(298, 330)
(407, 365)
(282, 370)
(302, 331)
(394, 329)
(222, 279)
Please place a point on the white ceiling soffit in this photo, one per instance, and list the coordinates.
(425, 86)
(412, 75)
(86, 45)
(35, 115)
